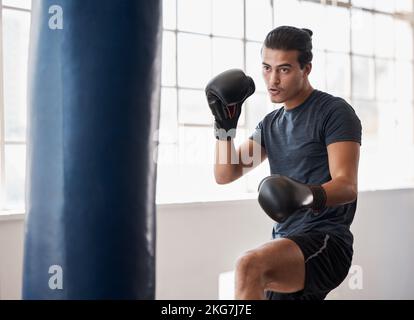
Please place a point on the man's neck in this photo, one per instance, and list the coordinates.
(299, 99)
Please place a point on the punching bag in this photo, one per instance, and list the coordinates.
(93, 108)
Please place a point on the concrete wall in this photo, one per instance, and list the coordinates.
(196, 242)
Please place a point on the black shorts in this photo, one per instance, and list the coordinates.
(327, 263)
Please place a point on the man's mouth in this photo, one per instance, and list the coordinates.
(274, 92)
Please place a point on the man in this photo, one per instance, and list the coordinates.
(312, 144)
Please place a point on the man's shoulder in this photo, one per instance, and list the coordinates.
(327, 98)
(272, 114)
(328, 102)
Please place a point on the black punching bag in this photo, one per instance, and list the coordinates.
(94, 88)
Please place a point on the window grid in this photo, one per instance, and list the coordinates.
(3, 141)
(14, 8)
(2, 130)
(350, 53)
(396, 15)
(326, 51)
(351, 64)
(212, 36)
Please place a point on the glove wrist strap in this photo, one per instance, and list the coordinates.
(223, 135)
(319, 198)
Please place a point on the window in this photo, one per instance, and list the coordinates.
(201, 40)
(15, 26)
(382, 85)
(363, 52)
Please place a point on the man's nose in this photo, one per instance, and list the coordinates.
(274, 78)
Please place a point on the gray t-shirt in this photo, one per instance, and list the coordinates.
(296, 145)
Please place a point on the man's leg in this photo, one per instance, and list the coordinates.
(278, 265)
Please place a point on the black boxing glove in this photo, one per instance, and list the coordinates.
(226, 94)
(280, 197)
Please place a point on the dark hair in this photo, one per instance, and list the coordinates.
(292, 38)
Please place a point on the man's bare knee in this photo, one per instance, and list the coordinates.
(277, 264)
(248, 262)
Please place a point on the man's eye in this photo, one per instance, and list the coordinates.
(266, 68)
(284, 70)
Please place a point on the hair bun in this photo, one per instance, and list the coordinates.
(308, 31)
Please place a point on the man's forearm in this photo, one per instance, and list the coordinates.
(226, 161)
(340, 191)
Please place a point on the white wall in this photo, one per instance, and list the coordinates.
(197, 242)
(11, 256)
(384, 241)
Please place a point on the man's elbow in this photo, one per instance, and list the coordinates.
(225, 178)
(222, 180)
(353, 193)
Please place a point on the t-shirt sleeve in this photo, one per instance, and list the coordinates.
(341, 123)
(258, 135)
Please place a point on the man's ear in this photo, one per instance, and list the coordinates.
(308, 68)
